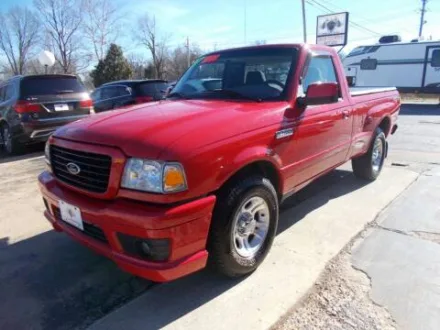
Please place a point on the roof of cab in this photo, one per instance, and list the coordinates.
(296, 45)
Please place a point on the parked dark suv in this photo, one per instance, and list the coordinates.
(118, 94)
(33, 107)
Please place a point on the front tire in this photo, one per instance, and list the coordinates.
(369, 166)
(243, 227)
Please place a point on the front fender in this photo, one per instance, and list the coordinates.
(247, 157)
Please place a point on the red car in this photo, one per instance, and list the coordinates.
(163, 188)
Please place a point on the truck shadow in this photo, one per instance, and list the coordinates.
(333, 185)
(52, 282)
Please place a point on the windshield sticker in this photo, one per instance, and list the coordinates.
(211, 58)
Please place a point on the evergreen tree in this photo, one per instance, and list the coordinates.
(114, 67)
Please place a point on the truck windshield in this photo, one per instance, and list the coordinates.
(253, 73)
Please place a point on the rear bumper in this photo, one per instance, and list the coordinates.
(40, 130)
(186, 226)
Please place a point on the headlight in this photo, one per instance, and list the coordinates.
(153, 176)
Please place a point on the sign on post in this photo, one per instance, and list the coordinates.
(332, 29)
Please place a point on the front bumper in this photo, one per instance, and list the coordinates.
(185, 225)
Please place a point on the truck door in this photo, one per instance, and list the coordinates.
(432, 66)
(323, 133)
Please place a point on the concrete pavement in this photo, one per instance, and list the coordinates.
(402, 256)
(310, 235)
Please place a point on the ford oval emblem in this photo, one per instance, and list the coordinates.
(73, 168)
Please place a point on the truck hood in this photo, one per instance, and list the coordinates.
(147, 130)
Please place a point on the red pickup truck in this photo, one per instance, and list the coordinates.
(164, 188)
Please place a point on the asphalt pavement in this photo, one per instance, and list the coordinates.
(48, 281)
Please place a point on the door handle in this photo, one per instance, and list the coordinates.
(345, 114)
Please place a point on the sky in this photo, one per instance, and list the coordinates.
(217, 24)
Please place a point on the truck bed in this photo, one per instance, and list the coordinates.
(358, 91)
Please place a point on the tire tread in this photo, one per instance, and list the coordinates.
(227, 200)
(362, 165)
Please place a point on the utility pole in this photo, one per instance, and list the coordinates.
(422, 17)
(188, 57)
(244, 22)
(304, 20)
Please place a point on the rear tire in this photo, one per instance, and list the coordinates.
(369, 166)
(10, 144)
(243, 227)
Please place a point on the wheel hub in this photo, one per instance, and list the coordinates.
(377, 155)
(250, 227)
(246, 224)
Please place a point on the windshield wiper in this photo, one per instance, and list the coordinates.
(177, 94)
(235, 94)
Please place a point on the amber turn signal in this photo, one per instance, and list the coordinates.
(174, 178)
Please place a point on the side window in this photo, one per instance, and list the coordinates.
(122, 91)
(368, 64)
(2, 92)
(435, 61)
(321, 69)
(106, 93)
(114, 91)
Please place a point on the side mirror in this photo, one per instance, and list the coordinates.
(320, 93)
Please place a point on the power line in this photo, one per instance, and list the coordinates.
(280, 37)
(387, 14)
(327, 10)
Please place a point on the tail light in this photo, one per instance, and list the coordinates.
(26, 107)
(143, 99)
(86, 103)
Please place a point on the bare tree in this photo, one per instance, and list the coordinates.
(19, 34)
(101, 25)
(178, 60)
(138, 65)
(147, 35)
(62, 20)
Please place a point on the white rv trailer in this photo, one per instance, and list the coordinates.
(414, 68)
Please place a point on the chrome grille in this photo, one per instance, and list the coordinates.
(94, 168)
